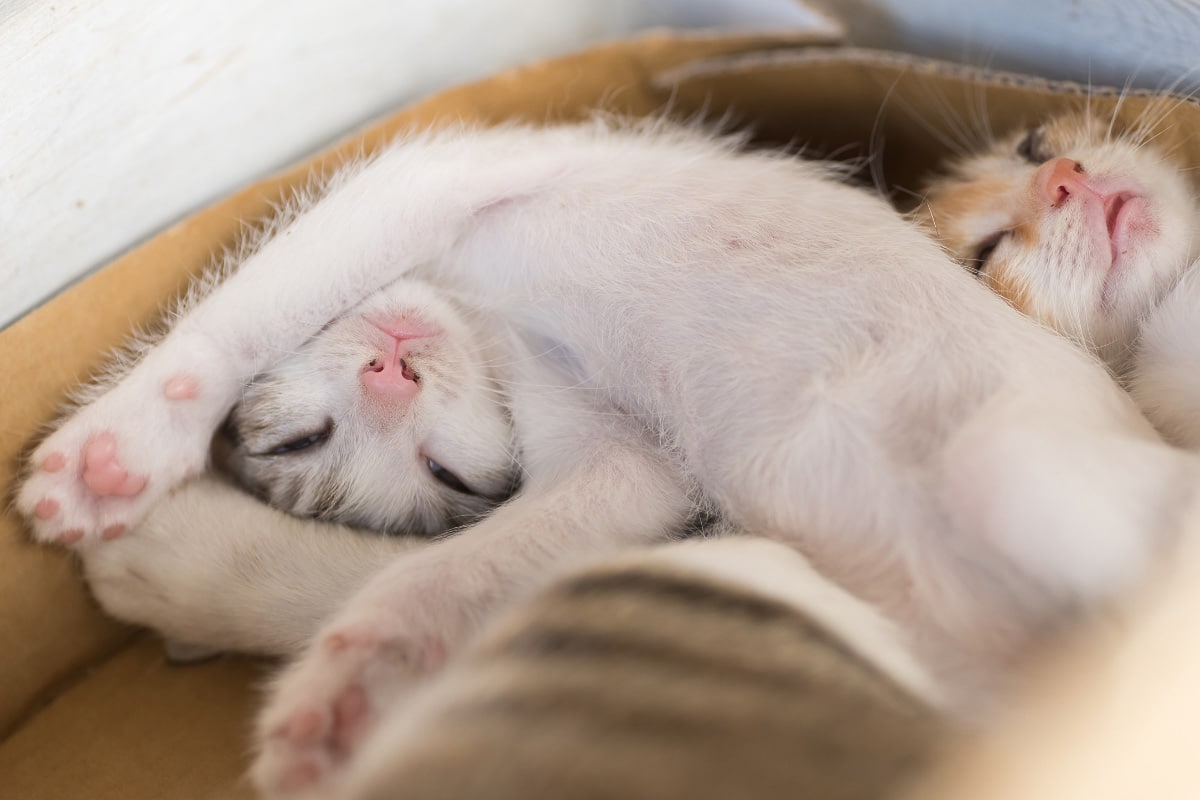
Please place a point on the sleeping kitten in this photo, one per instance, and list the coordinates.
(1092, 231)
(681, 326)
(1077, 225)
(393, 418)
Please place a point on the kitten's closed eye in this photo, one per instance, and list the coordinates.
(447, 478)
(305, 441)
(984, 252)
(1033, 148)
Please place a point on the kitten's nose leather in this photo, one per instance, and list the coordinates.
(389, 378)
(1058, 179)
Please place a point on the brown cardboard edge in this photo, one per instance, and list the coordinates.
(749, 62)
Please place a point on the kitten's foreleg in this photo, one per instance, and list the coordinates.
(602, 651)
(102, 470)
(419, 610)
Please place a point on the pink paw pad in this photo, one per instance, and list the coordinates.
(344, 640)
(112, 532)
(72, 536)
(350, 713)
(181, 386)
(299, 776)
(103, 474)
(54, 462)
(46, 508)
(305, 728)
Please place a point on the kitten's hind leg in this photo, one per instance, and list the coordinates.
(415, 613)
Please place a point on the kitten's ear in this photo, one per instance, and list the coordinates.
(1033, 147)
(227, 455)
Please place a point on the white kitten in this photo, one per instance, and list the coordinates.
(689, 324)
(393, 418)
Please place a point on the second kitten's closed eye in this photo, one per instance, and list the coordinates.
(985, 251)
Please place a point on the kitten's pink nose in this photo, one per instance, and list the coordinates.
(389, 378)
(1058, 179)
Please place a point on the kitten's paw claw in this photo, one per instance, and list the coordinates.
(329, 701)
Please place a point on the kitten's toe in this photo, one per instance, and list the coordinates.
(329, 702)
(103, 472)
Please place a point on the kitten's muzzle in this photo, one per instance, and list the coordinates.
(390, 378)
(1062, 180)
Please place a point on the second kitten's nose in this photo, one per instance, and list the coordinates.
(1058, 179)
(389, 378)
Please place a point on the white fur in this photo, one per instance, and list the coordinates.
(1165, 379)
(738, 324)
(214, 568)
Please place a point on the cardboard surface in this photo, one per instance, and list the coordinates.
(135, 727)
(111, 697)
(905, 112)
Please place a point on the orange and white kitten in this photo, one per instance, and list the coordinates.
(1080, 226)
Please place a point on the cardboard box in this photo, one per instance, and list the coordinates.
(88, 708)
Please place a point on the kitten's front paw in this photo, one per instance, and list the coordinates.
(325, 704)
(100, 472)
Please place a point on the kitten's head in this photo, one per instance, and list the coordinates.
(390, 418)
(1078, 226)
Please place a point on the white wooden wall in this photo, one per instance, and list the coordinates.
(120, 116)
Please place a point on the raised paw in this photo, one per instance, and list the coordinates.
(330, 700)
(98, 474)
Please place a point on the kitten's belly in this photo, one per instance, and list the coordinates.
(716, 344)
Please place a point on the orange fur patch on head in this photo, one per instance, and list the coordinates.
(1045, 256)
(954, 209)
(1004, 281)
